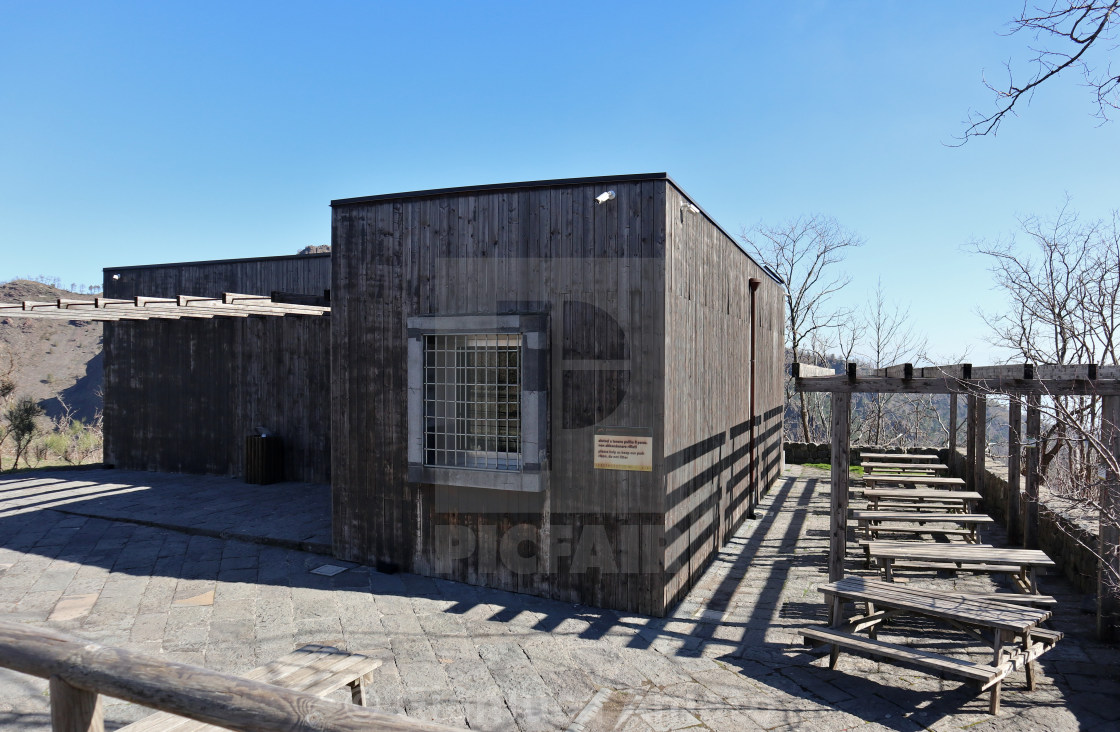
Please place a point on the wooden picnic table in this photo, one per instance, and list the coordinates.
(904, 468)
(1011, 631)
(1022, 564)
(919, 498)
(872, 522)
(896, 456)
(874, 480)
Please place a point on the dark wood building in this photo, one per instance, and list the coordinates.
(181, 395)
(569, 388)
(547, 387)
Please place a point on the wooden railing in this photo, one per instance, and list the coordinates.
(80, 671)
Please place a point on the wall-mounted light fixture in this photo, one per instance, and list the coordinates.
(689, 207)
(604, 197)
(116, 277)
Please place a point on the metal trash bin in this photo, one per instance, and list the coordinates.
(264, 459)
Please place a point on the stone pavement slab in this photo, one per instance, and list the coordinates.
(295, 515)
(728, 658)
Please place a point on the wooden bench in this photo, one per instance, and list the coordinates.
(1012, 631)
(313, 669)
(920, 506)
(873, 480)
(902, 562)
(872, 522)
(1022, 564)
(897, 456)
(920, 496)
(905, 468)
(1014, 598)
(978, 673)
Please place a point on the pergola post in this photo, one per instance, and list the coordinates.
(1032, 452)
(1014, 468)
(980, 445)
(970, 444)
(838, 532)
(952, 428)
(1108, 591)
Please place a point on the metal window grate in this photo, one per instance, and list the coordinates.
(472, 401)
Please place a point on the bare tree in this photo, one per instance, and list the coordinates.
(1062, 291)
(890, 340)
(804, 252)
(1068, 34)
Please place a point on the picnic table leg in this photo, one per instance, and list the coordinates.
(993, 698)
(888, 570)
(1030, 664)
(836, 611)
(1033, 574)
(873, 631)
(358, 690)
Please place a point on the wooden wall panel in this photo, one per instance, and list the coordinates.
(308, 274)
(712, 478)
(181, 395)
(596, 270)
(642, 334)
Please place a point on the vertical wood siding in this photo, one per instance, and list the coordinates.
(708, 416)
(308, 274)
(181, 395)
(597, 272)
(642, 334)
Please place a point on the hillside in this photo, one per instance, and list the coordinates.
(52, 357)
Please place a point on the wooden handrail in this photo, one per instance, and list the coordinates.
(79, 670)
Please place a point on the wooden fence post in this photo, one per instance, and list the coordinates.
(1014, 468)
(952, 428)
(1032, 452)
(838, 535)
(1108, 593)
(74, 709)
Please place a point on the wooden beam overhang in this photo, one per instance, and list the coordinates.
(889, 385)
(229, 305)
(1084, 379)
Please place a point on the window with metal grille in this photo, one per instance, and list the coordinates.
(472, 401)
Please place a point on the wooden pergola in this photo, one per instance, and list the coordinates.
(1021, 384)
(229, 305)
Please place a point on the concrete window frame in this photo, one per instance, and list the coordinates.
(533, 329)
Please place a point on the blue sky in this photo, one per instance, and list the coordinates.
(134, 133)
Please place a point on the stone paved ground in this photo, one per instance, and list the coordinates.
(295, 515)
(728, 659)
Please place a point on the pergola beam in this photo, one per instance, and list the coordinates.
(929, 385)
(901, 371)
(802, 370)
(229, 305)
